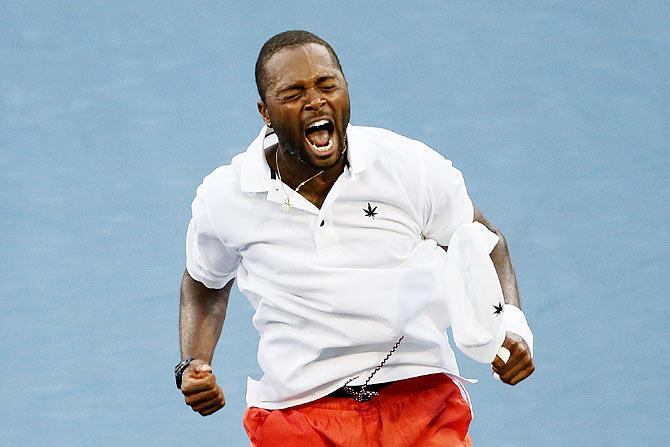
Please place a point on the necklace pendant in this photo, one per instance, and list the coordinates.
(286, 206)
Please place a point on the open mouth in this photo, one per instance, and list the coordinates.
(319, 134)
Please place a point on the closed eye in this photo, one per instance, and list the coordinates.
(326, 83)
(290, 96)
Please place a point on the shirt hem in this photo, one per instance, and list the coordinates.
(253, 386)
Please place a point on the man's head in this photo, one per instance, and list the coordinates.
(283, 40)
(304, 96)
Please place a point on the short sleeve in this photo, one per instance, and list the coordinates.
(208, 260)
(446, 204)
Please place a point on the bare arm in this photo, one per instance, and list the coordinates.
(502, 263)
(202, 312)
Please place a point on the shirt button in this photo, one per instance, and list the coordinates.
(322, 223)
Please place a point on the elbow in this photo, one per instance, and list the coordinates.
(502, 242)
(501, 246)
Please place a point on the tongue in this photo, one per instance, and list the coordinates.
(319, 138)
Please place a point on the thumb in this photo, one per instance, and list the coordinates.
(198, 366)
(201, 366)
(205, 368)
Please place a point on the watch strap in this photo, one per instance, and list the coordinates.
(179, 370)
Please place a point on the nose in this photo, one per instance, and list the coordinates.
(315, 103)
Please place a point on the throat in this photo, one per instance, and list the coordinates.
(316, 190)
(315, 199)
(314, 185)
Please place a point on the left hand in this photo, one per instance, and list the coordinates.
(520, 364)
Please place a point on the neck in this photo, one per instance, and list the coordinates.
(294, 171)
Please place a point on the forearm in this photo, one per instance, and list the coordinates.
(502, 263)
(202, 312)
(505, 270)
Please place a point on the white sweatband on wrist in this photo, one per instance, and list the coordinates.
(514, 321)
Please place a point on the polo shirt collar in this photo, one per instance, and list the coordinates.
(362, 151)
(256, 176)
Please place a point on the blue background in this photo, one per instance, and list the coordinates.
(112, 112)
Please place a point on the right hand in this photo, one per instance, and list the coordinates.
(201, 393)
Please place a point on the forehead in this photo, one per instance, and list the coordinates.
(300, 63)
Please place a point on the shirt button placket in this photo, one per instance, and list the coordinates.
(324, 234)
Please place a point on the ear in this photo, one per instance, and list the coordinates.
(263, 110)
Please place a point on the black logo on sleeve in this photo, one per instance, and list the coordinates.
(370, 212)
(498, 309)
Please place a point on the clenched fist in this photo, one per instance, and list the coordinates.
(520, 363)
(200, 390)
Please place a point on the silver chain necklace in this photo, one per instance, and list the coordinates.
(286, 206)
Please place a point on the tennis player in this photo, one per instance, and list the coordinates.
(338, 235)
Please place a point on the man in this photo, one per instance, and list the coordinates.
(333, 232)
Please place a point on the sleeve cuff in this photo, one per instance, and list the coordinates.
(209, 282)
(514, 321)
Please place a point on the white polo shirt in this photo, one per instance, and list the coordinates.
(334, 288)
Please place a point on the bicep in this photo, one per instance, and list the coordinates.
(197, 301)
(193, 287)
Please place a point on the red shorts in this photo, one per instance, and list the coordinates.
(422, 411)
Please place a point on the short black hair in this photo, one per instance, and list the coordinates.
(283, 40)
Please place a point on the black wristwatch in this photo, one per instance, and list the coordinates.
(179, 370)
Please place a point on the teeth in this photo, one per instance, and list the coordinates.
(318, 123)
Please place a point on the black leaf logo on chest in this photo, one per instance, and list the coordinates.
(370, 212)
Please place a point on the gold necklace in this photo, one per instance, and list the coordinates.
(286, 206)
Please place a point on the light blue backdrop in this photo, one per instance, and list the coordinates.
(111, 113)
